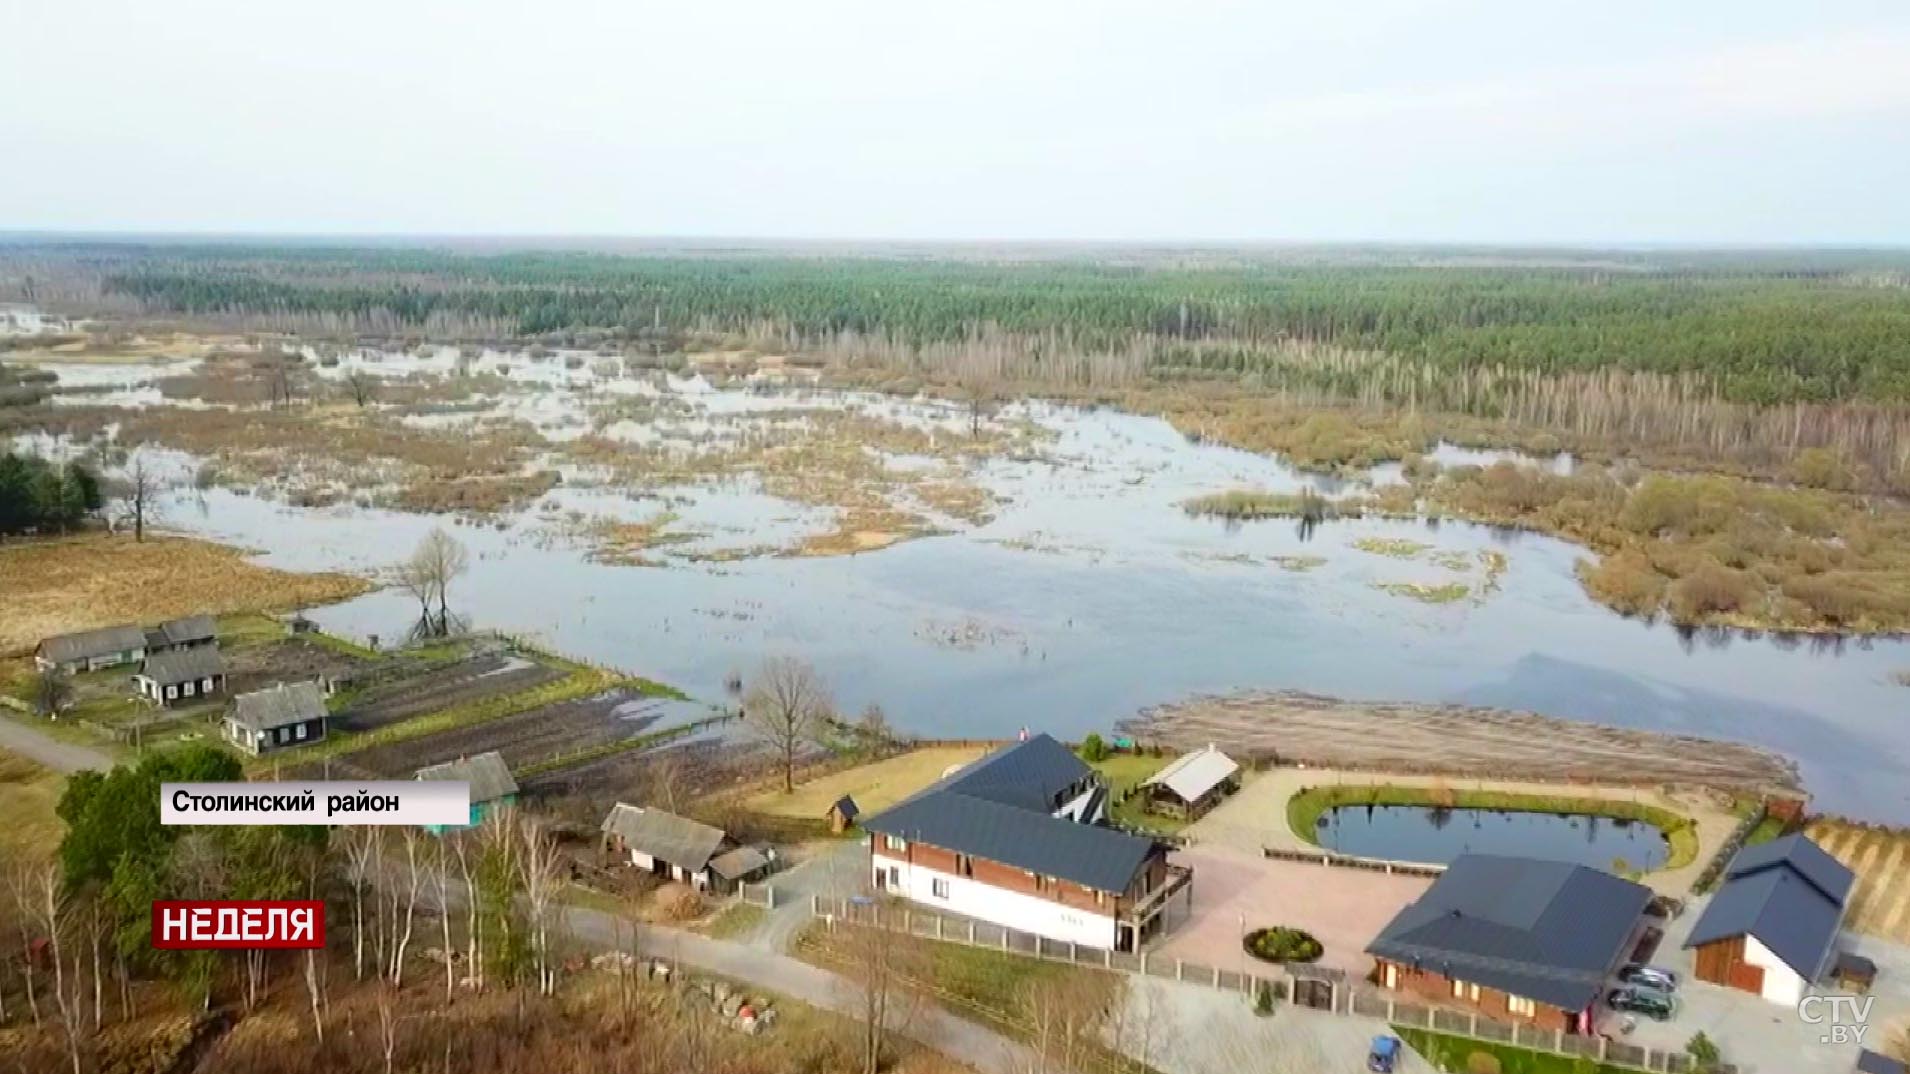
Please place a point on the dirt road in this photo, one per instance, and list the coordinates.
(47, 751)
(1299, 728)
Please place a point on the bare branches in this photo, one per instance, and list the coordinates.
(427, 576)
(787, 705)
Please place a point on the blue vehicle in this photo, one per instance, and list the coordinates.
(1384, 1053)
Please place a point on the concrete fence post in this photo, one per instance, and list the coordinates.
(1390, 1019)
(971, 932)
(1180, 970)
(1073, 954)
(940, 927)
(1107, 957)
(1472, 1024)
(1558, 1041)
(815, 904)
(1144, 963)
(1004, 938)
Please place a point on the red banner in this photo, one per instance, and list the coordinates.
(239, 925)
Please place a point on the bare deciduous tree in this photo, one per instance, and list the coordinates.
(787, 705)
(139, 492)
(542, 876)
(413, 874)
(1064, 1018)
(427, 576)
(362, 386)
(888, 972)
(52, 692)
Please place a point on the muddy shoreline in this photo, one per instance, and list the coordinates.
(1293, 727)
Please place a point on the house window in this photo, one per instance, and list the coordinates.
(1100, 898)
(299, 733)
(189, 689)
(895, 877)
(895, 843)
(939, 888)
(172, 692)
(964, 865)
(1462, 990)
(1521, 1006)
(1389, 975)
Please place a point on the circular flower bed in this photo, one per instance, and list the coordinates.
(1282, 944)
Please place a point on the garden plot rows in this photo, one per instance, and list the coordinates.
(255, 667)
(527, 737)
(1880, 903)
(474, 679)
(700, 764)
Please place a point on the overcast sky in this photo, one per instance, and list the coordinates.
(1701, 121)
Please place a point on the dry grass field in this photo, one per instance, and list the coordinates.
(874, 786)
(28, 794)
(1881, 859)
(94, 580)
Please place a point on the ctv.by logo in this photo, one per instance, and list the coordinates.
(1846, 1020)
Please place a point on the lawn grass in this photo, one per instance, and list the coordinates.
(1124, 770)
(875, 786)
(28, 795)
(1449, 1053)
(1305, 808)
(736, 919)
(241, 630)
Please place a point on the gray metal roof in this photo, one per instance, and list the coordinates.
(87, 644)
(1803, 857)
(185, 631)
(1869, 1062)
(278, 706)
(488, 775)
(183, 665)
(738, 863)
(1000, 809)
(846, 806)
(678, 840)
(1789, 894)
(1550, 931)
(1194, 774)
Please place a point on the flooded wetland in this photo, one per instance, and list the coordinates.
(974, 569)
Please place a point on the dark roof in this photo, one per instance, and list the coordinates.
(1550, 931)
(186, 631)
(846, 806)
(183, 665)
(87, 644)
(1803, 857)
(286, 703)
(1001, 809)
(488, 775)
(1789, 894)
(739, 863)
(1869, 1062)
(678, 840)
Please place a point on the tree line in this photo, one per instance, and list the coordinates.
(1799, 327)
(41, 496)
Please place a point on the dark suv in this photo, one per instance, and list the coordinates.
(1645, 1001)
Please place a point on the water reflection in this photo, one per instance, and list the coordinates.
(1437, 835)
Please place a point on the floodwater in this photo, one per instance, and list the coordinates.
(1437, 836)
(1091, 595)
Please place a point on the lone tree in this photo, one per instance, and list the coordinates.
(427, 576)
(52, 692)
(787, 705)
(362, 386)
(139, 493)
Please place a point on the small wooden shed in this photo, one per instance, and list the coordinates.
(842, 815)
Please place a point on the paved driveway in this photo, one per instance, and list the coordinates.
(1343, 908)
(1188, 1029)
(1760, 1036)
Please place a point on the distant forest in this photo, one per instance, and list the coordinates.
(1758, 328)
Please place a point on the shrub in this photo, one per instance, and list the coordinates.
(1626, 582)
(1711, 589)
(1093, 750)
(1703, 1049)
(1482, 1063)
(1282, 944)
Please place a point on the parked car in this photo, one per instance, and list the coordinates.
(1656, 978)
(1384, 1054)
(1648, 1002)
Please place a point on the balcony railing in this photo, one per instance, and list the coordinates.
(1178, 877)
